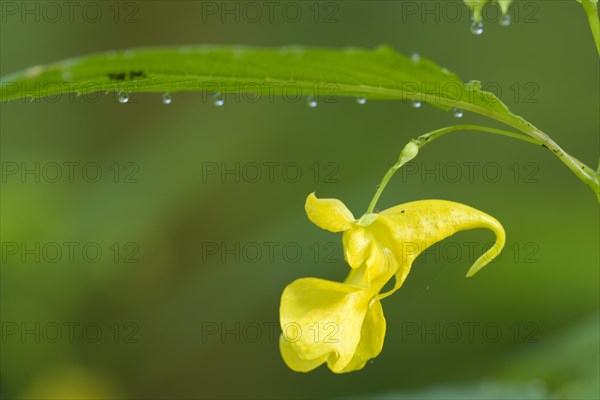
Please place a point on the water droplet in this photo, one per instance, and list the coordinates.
(477, 28)
(506, 20)
(67, 76)
(415, 57)
(457, 112)
(417, 104)
(361, 100)
(218, 100)
(166, 98)
(312, 103)
(371, 361)
(427, 288)
(122, 97)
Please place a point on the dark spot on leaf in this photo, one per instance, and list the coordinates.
(121, 76)
(117, 77)
(402, 212)
(136, 74)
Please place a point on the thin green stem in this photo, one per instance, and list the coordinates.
(591, 9)
(411, 150)
(386, 178)
(428, 137)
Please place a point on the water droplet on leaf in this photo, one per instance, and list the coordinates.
(166, 98)
(361, 100)
(122, 97)
(417, 104)
(312, 103)
(457, 112)
(506, 20)
(415, 57)
(477, 28)
(218, 100)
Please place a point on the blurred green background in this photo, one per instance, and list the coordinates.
(181, 322)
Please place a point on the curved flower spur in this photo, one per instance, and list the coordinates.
(342, 324)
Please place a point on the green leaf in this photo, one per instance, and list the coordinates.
(591, 10)
(288, 71)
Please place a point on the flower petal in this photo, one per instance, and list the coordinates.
(357, 243)
(370, 247)
(371, 338)
(293, 360)
(416, 226)
(321, 320)
(330, 214)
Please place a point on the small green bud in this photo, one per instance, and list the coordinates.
(409, 152)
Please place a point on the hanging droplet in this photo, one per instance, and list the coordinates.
(415, 57)
(122, 97)
(361, 100)
(506, 20)
(312, 103)
(477, 28)
(457, 112)
(166, 98)
(218, 100)
(416, 104)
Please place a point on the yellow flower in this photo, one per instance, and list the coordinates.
(342, 324)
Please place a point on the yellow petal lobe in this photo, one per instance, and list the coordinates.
(329, 214)
(322, 321)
